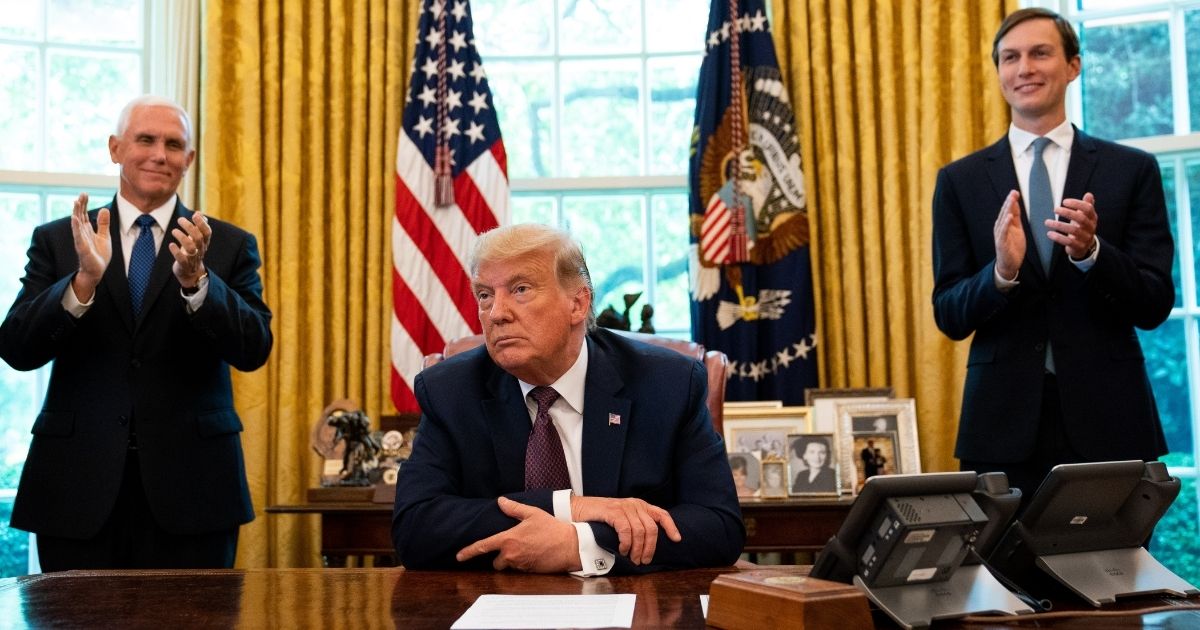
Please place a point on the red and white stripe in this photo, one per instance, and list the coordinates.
(431, 295)
(716, 232)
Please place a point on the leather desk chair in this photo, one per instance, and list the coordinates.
(714, 361)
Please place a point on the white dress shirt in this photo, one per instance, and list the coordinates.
(567, 415)
(127, 215)
(1057, 156)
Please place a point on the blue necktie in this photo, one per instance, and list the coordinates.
(141, 261)
(1041, 203)
(1041, 207)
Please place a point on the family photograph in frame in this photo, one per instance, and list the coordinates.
(876, 455)
(812, 465)
(763, 431)
(774, 480)
(747, 473)
(884, 426)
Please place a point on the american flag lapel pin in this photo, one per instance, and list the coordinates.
(614, 418)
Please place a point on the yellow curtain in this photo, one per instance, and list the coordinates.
(886, 93)
(301, 105)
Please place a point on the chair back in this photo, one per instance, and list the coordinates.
(714, 361)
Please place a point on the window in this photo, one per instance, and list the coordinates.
(66, 68)
(596, 103)
(1141, 85)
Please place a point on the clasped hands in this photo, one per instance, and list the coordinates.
(540, 543)
(93, 246)
(1075, 230)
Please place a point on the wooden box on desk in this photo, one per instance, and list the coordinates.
(784, 598)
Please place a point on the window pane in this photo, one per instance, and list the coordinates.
(103, 22)
(19, 76)
(1191, 42)
(22, 19)
(672, 307)
(672, 113)
(601, 26)
(14, 543)
(522, 94)
(513, 27)
(1126, 92)
(1088, 5)
(527, 209)
(85, 92)
(20, 392)
(675, 25)
(1169, 191)
(601, 118)
(1166, 365)
(1174, 540)
(613, 235)
(1193, 174)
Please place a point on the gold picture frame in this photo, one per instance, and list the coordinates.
(763, 431)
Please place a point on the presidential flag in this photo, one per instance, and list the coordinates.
(751, 277)
(451, 185)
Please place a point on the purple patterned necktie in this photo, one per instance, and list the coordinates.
(545, 465)
(141, 261)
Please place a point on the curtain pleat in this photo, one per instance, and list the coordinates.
(886, 93)
(302, 108)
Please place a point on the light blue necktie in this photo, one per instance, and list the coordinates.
(141, 261)
(1041, 203)
(1041, 207)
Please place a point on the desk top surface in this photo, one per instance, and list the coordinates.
(842, 503)
(374, 598)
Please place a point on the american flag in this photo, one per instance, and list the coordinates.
(451, 185)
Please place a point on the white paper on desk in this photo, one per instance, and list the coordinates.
(548, 611)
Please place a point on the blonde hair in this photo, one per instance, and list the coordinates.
(523, 239)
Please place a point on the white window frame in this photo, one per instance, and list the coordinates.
(645, 186)
(1174, 149)
(169, 52)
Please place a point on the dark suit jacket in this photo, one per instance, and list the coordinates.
(167, 372)
(1108, 408)
(470, 449)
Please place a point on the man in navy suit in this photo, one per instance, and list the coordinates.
(1055, 372)
(142, 305)
(640, 478)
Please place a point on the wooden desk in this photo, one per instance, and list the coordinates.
(785, 525)
(373, 598)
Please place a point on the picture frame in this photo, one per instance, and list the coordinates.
(825, 408)
(731, 405)
(884, 460)
(774, 476)
(764, 431)
(747, 473)
(813, 467)
(898, 415)
(813, 393)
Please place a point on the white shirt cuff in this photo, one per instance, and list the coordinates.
(196, 300)
(72, 304)
(593, 558)
(1087, 263)
(1003, 284)
(562, 505)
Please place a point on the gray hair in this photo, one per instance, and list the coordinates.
(514, 241)
(152, 100)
